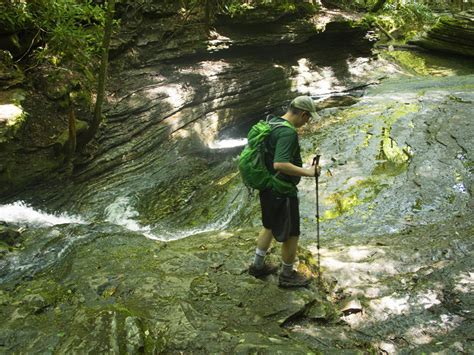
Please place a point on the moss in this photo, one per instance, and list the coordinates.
(396, 112)
(418, 205)
(393, 160)
(427, 64)
(351, 113)
(410, 62)
(20, 171)
(4, 248)
(63, 138)
(193, 200)
(345, 201)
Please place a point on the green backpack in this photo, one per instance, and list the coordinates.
(252, 168)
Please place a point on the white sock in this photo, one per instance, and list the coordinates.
(286, 269)
(259, 260)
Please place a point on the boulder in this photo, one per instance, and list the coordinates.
(12, 114)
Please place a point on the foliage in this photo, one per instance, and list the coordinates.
(241, 7)
(352, 4)
(65, 32)
(417, 12)
(367, 5)
(407, 20)
(237, 8)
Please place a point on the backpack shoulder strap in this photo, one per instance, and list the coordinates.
(285, 123)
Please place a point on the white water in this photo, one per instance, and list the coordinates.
(21, 213)
(121, 212)
(228, 143)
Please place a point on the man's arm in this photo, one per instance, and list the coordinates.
(293, 170)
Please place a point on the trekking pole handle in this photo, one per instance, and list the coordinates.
(316, 160)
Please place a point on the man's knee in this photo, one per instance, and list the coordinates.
(266, 232)
(291, 242)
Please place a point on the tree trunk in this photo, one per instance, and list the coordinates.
(379, 26)
(378, 5)
(207, 14)
(94, 127)
(71, 146)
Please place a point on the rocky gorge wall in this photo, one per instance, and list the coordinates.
(396, 201)
(180, 102)
(151, 35)
(158, 158)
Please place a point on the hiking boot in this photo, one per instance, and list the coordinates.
(266, 269)
(295, 279)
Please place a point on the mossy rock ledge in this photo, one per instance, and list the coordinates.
(95, 288)
(452, 34)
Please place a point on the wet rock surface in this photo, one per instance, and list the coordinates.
(413, 290)
(166, 118)
(401, 156)
(155, 31)
(396, 201)
(91, 288)
(172, 77)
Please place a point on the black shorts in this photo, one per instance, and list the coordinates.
(280, 214)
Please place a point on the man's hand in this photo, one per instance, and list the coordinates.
(315, 169)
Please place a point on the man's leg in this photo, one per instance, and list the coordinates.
(288, 276)
(263, 244)
(259, 268)
(265, 239)
(288, 255)
(288, 250)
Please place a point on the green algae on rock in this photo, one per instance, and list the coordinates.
(113, 289)
(421, 63)
(402, 139)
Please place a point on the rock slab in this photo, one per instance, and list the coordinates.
(98, 288)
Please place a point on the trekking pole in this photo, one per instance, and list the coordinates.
(316, 163)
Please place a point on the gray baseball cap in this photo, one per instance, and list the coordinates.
(305, 103)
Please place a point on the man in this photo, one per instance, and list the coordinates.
(280, 212)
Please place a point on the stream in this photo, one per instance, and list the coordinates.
(396, 201)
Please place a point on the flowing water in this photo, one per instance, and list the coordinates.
(20, 213)
(174, 131)
(400, 157)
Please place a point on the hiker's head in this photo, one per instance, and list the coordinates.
(302, 109)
